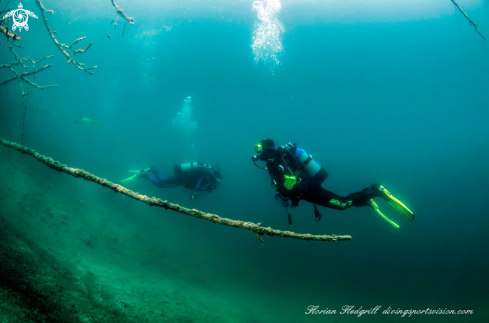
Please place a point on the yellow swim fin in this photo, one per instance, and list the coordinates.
(396, 204)
(376, 208)
(132, 178)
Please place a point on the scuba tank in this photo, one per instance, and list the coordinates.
(310, 164)
(187, 169)
(195, 173)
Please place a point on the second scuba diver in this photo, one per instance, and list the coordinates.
(195, 176)
(297, 176)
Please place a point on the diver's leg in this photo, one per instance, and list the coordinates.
(152, 179)
(161, 182)
(152, 175)
(319, 178)
(320, 196)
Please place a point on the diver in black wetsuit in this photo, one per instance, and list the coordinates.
(195, 176)
(297, 176)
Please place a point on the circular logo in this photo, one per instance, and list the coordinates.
(20, 18)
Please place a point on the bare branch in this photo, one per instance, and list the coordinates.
(5, 31)
(45, 57)
(36, 85)
(61, 46)
(8, 80)
(120, 12)
(21, 76)
(256, 228)
(468, 18)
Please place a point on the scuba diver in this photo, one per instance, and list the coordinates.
(195, 176)
(297, 176)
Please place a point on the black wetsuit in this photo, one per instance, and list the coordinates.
(283, 161)
(197, 177)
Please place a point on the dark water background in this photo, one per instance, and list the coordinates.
(391, 97)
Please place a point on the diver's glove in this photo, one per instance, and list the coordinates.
(284, 203)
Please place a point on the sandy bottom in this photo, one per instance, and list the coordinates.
(69, 256)
(71, 251)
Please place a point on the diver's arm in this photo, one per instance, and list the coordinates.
(198, 187)
(204, 184)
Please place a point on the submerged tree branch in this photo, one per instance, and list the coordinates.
(62, 46)
(18, 61)
(22, 76)
(7, 33)
(4, 30)
(120, 12)
(468, 18)
(153, 201)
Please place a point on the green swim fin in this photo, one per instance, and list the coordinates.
(396, 204)
(376, 208)
(132, 178)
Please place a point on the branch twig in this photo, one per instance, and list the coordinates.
(62, 46)
(120, 12)
(5, 31)
(153, 201)
(468, 18)
(21, 76)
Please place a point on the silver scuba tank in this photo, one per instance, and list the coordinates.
(188, 167)
(310, 164)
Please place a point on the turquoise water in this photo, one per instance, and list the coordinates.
(379, 93)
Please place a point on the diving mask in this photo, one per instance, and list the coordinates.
(259, 148)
